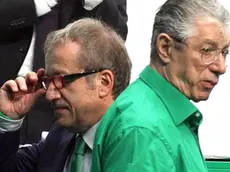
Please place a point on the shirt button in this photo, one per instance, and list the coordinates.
(22, 50)
(197, 114)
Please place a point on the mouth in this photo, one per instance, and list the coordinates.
(59, 109)
(210, 84)
(60, 112)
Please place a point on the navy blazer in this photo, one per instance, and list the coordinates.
(48, 155)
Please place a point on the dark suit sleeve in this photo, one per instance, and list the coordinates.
(112, 12)
(16, 14)
(13, 159)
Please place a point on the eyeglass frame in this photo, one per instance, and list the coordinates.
(66, 78)
(217, 52)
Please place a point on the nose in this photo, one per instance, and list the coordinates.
(219, 65)
(52, 93)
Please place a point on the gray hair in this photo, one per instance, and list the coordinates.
(176, 18)
(100, 48)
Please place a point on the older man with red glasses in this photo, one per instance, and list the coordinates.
(87, 67)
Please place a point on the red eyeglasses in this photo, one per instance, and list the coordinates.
(61, 81)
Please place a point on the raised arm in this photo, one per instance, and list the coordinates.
(16, 98)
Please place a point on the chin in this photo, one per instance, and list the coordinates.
(65, 122)
(203, 96)
(71, 127)
(64, 119)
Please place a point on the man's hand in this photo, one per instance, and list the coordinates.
(19, 95)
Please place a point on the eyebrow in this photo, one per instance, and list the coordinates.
(226, 47)
(54, 72)
(209, 41)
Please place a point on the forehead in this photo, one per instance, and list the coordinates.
(211, 29)
(63, 59)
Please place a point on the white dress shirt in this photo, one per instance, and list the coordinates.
(88, 137)
(42, 7)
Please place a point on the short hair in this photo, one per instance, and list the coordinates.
(176, 18)
(100, 48)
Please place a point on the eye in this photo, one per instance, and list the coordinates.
(225, 52)
(207, 50)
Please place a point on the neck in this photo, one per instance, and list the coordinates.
(160, 69)
(100, 110)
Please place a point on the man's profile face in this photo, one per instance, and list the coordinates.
(188, 68)
(74, 103)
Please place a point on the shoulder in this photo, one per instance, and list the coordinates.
(137, 107)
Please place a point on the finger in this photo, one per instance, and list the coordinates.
(39, 93)
(10, 85)
(31, 78)
(21, 82)
(41, 72)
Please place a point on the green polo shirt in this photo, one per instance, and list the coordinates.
(151, 127)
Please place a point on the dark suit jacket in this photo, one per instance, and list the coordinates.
(46, 156)
(16, 27)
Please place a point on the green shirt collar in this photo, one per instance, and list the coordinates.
(177, 103)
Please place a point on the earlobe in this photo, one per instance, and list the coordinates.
(106, 83)
(164, 45)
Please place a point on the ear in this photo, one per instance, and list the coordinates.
(164, 47)
(106, 83)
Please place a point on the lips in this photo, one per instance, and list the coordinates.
(59, 107)
(213, 82)
(60, 111)
(209, 83)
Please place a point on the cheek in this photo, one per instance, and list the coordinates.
(194, 71)
(197, 74)
(73, 101)
(77, 102)
(179, 70)
(199, 90)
